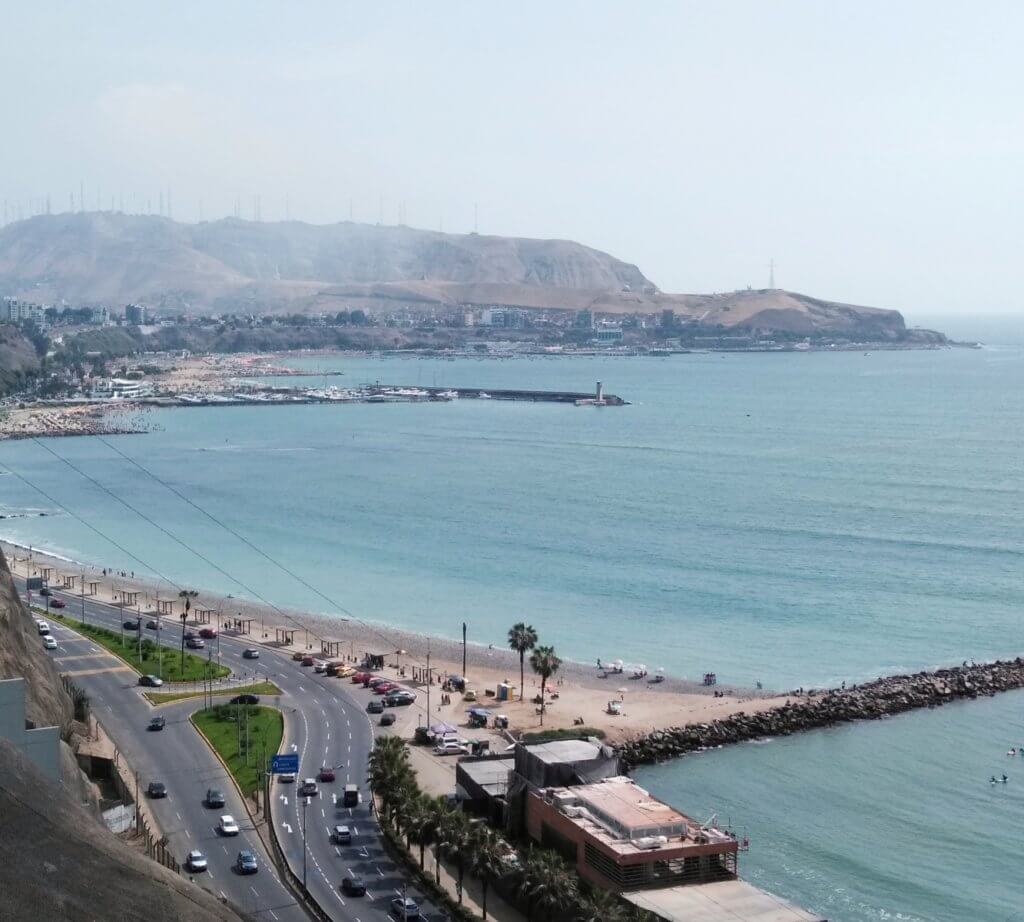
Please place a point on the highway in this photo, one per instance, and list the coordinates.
(325, 724)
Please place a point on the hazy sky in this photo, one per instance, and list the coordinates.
(874, 149)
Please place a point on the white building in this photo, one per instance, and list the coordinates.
(120, 389)
(42, 744)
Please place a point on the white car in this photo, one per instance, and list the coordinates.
(43, 627)
(450, 748)
(50, 642)
(342, 835)
(228, 826)
(196, 861)
(286, 778)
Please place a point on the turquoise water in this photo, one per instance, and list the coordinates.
(793, 519)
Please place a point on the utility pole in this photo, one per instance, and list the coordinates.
(430, 681)
(305, 803)
(159, 641)
(463, 649)
(82, 588)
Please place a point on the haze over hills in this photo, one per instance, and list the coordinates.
(232, 265)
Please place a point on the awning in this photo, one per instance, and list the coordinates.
(443, 728)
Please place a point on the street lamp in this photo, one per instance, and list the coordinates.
(305, 803)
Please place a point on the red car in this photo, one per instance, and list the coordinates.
(374, 681)
(383, 688)
(326, 774)
(307, 661)
(208, 632)
(360, 677)
(56, 603)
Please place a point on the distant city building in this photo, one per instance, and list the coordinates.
(120, 389)
(135, 314)
(584, 320)
(608, 336)
(16, 310)
(505, 318)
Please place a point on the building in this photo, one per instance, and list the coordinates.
(39, 744)
(621, 838)
(503, 317)
(135, 314)
(120, 388)
(608, 336)
(15, 311)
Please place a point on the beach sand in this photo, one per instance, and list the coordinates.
(583, 691)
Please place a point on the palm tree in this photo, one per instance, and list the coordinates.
(451, 839)
(439, 810)
(600, 906)
(547, 885)
(483, 860)
(188, 595)
(423, 824)
(545, 663)
(521, 638)
(389, 773)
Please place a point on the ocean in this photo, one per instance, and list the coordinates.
(793, 519)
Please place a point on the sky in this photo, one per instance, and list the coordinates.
(873, 150)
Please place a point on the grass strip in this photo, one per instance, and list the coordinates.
(195, 667)
(260, 688)
(245, 737)
(568, 733)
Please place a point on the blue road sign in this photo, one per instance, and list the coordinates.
(284, 763)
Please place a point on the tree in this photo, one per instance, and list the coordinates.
(452, 833)
(390, 774)
(545, 663)
(547, 884)
(483, 860)
(522, 638)
(600, 906)
(188, 595)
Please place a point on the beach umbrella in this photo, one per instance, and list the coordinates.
(623, 690)
(661, 669)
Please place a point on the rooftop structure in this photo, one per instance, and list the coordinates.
(732, 900)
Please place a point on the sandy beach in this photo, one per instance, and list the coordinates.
(583, 691)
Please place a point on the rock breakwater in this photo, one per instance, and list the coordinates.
(815, 709)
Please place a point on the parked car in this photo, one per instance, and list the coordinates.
(50, 642)
(157, 789)
(246, 699)
(208, 632)
(450, 748)
(326, 774)
(404, 909)
(399, 698)
(157, 723)
(214, 798)
(196, 861)
(132, 625)
(341, 835)
(298, 656)
(375, 707)
(245, 863)
(42, 627)
(376, 680)
(319, 666)
(359, 678)
(286, 778)
(150, 681)
(351, 796)
(353, 886)
(250, 653)
(382, 688)
(195, 643)
(45, 591)
(308, 788)
(386, 720)
(153, 626)
(56, 603)
(227, 825)
(307, 661)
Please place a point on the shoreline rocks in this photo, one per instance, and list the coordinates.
(883, 697)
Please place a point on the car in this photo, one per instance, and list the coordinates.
(376, 680)
(56, 603)
(250, 653)
(308, 788)
(341, 835)
(399, 699)
(353, 886)
(319, 666)
(286, 778)
(351, 796)
(195, 643)
(42, 627)
(375, 707)
(386, 720)
(358, 678)
(208, 632)
(403, 908)
(326, 774)
(227, 825)
(245, 863)
(45, 591)
(157, 789)
(132, 625)
(298, 656)
(214, 798)
(189, 633)
(156, 723)
(150, 681)
(307, 661)
(50, 642)
(153, 625)
(450, 748)
(195, 861)
(246, 699)
(382, 688)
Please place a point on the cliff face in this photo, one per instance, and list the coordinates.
(22, 655)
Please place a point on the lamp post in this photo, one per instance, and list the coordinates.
(305, 803)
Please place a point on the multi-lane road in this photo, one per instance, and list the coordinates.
(325, 724)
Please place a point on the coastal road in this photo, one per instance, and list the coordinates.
(325, 723)
(179, 758)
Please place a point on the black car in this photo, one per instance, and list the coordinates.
(214, 798)
(150, 681)
(45, 591)
(246, 699)
(401, 699)
(251, 653)
(131, 625)
(386, 720)
(353, 886)
(157, 723)
(375, 707)
(157, 789)
(246, 862)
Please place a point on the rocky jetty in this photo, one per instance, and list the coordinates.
(811, 710)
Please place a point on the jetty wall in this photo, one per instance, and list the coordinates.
(872, 700)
